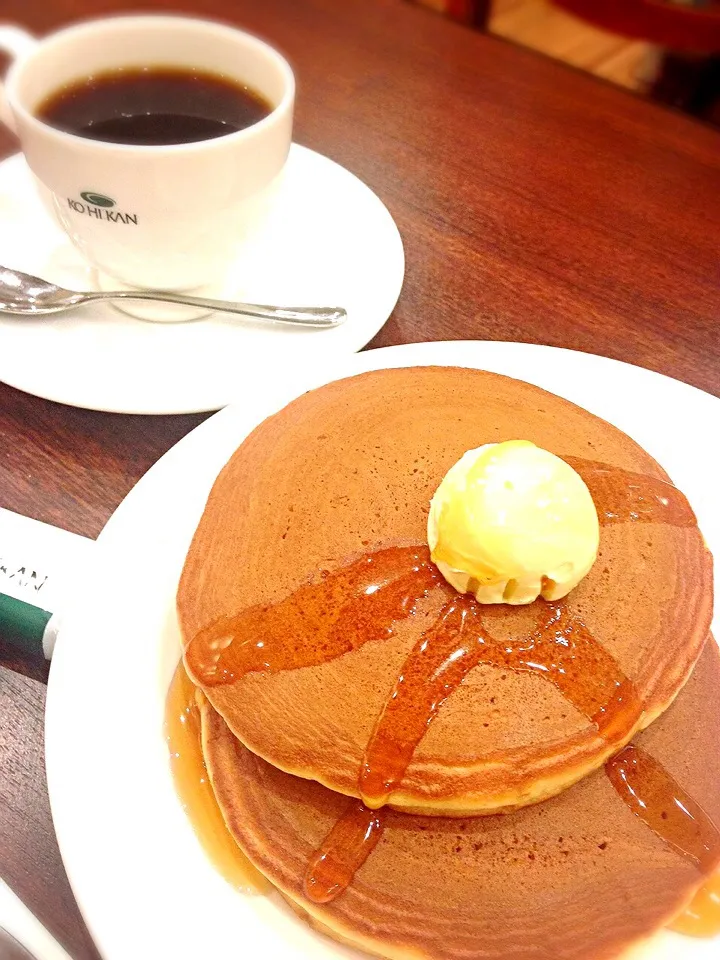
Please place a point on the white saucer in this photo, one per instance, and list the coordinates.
(143, 884)
(329, 242)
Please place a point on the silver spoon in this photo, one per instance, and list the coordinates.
(28, 296)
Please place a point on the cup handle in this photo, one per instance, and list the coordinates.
(16, 42)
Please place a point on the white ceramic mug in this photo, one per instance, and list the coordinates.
(163, 217)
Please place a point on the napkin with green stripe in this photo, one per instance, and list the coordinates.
(39, 564)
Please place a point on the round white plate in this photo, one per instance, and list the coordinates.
(328, 242)
(139, 875)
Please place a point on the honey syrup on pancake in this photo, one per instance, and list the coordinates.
(701, 917)
(622, 496)
(320, 621)
(364, 600)
(561, 650)
(343, 852)
(660, 802)
(642, 782)
(192, 784)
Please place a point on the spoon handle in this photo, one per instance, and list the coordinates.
(304, 316)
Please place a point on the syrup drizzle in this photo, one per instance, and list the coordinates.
(561, 650)
(320, 621)
(365, 600)
(343, 851)
(636, 498)
(660, 802)
(434, 668)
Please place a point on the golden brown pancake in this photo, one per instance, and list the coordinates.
(300, 609)
(579, 877)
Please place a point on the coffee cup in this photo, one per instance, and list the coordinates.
(167, 217)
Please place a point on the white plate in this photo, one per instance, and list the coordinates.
(329, 242)
(140, 878)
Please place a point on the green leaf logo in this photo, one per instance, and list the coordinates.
(97, 199)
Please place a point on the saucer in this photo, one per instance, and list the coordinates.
(329, 241)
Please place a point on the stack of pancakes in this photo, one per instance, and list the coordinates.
(415, 773)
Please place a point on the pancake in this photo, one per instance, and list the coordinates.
(314, 621)
(580, 877)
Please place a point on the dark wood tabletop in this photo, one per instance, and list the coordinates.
(535, 203)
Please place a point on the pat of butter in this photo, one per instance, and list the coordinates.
(511, 522)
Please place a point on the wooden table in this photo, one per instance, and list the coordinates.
(536, 204)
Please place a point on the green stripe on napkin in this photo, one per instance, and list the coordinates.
(23, 625)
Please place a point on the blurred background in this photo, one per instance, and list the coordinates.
(668, 50)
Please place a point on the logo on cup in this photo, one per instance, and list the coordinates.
(98, 205)
(97, 199)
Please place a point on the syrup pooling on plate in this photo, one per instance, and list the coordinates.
(660, 802)
(343, 852)
(182, 732)
(701, 917)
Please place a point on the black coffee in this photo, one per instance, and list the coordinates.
(153, 106)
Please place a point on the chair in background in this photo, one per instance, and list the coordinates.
(687, 31)
(476, 13)
(674, 24)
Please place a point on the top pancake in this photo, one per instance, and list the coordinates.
(349, 469)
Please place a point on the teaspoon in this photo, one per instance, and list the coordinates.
(28, 296)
